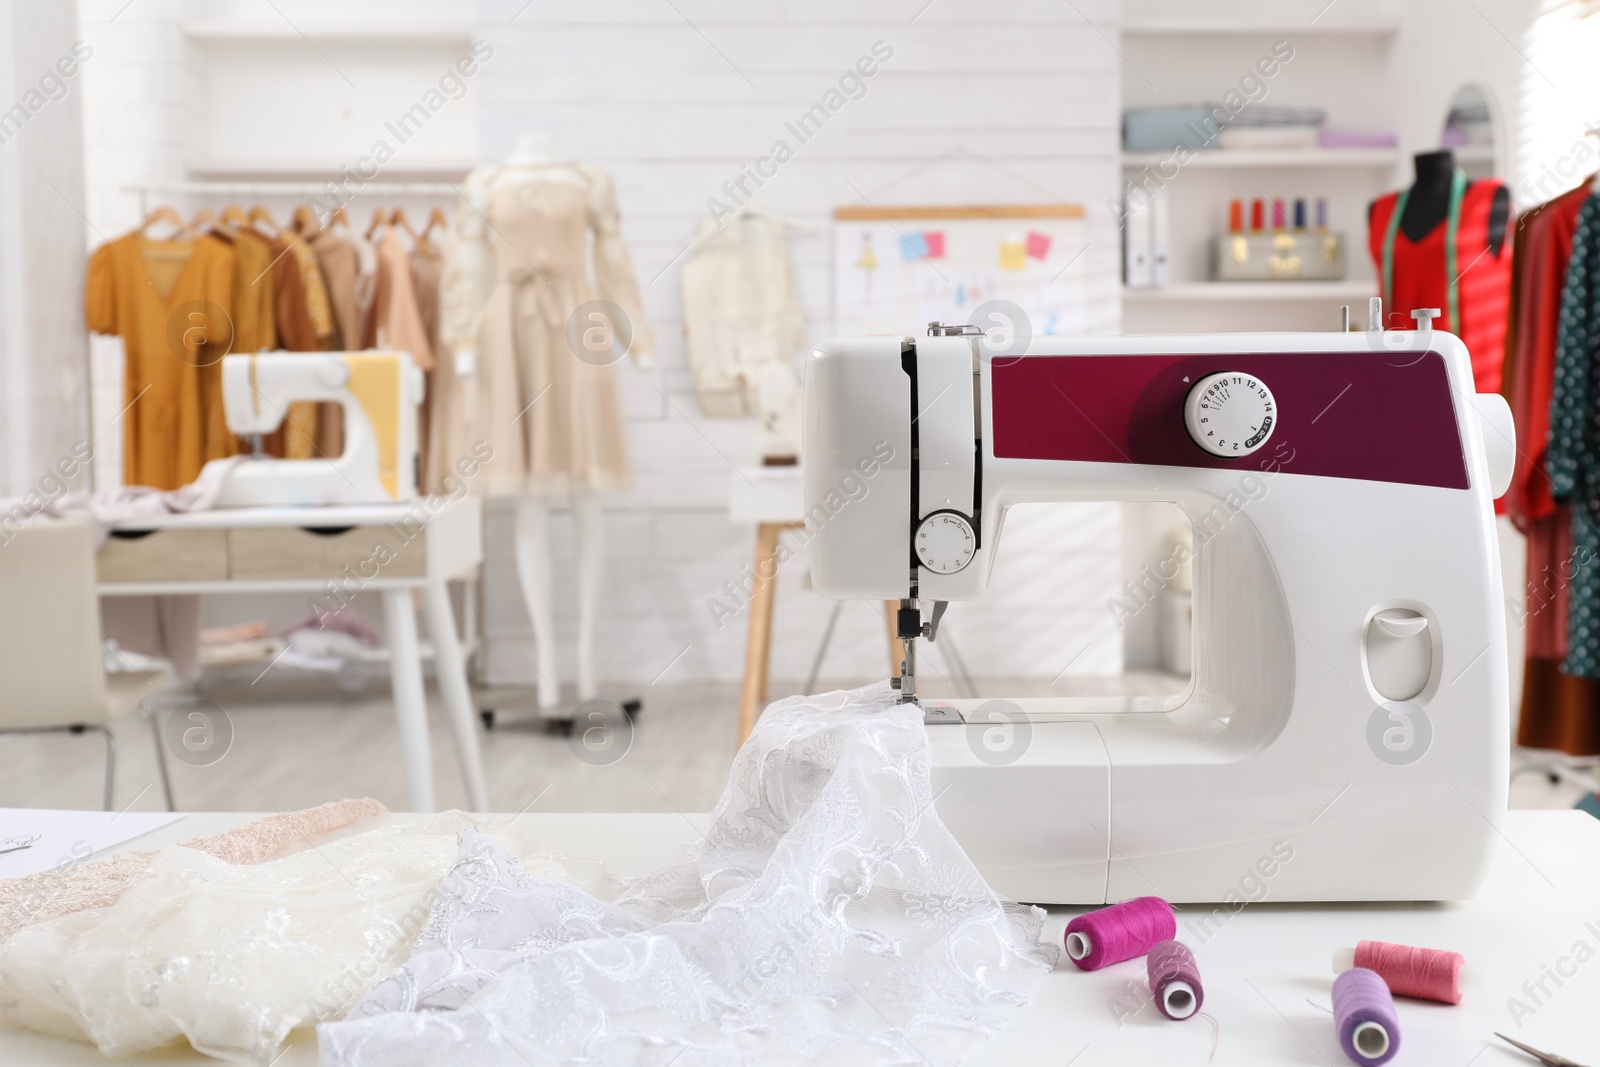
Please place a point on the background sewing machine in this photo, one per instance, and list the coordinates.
(1344, 735)
(380, 392)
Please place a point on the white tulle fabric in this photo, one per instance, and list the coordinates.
(827, 916)
(233, 957)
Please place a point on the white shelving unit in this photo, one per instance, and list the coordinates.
(1273, 292)
(1339, 60)
(1272, 157)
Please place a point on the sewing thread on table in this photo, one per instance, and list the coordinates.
(1426, 973)
(1364, 1017)
(1174, 979)
(1120, 932)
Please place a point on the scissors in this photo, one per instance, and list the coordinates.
(1549, 1059)
(17, 844)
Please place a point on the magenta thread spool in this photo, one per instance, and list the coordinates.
(1363, 1013)
(1174, 979)
(1119, 932)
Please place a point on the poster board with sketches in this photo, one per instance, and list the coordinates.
(896, 269)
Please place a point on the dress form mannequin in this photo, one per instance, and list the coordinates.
(532, 544)
(1429, 202)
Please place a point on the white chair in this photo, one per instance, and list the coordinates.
(52, 668)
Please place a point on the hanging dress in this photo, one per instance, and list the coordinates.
(543, 392)
(1468, 282)
(1558, 711)
(170, 301)
(1574, 445)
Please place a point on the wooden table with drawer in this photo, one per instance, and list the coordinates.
(331, 553)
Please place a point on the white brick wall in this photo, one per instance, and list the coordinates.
(976, 105)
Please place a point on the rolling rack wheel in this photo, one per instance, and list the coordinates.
(487, 715)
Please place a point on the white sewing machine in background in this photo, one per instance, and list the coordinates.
(380, 392)
(1344, 735)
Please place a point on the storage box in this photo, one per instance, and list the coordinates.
(1287, 255)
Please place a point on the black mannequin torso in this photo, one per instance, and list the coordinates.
(1429, 203)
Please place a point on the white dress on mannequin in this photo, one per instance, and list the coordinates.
(530, 379)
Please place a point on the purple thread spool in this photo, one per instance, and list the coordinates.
(1363, 1012)
(1174, 980)
(1119, 932)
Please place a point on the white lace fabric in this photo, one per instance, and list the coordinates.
(827, 915)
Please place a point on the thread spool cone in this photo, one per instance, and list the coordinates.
(1179, 999)
(1078, 945)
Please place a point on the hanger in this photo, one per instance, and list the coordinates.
(435, 219)
(305, 221)
(260, 214)
(379, 219)
(339, 216)
(167, 213)
(398, 218)
(234, 215)
(755, 212)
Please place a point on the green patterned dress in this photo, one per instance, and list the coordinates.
(1573, 461)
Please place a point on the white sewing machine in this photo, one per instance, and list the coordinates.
(380, 392)
(1344, 735)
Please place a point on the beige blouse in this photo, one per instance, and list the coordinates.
(741, 312)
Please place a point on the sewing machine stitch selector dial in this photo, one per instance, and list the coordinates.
(945, 542)
(1230, 413)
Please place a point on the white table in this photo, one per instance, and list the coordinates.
(328, 553)
(1259, 967)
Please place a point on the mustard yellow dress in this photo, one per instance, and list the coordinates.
(172, 303)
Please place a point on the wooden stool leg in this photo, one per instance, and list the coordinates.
(758, 644)
(897, 650)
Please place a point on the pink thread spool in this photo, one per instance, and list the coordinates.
(1425, 973)
(1174, 979)
(1119, 932)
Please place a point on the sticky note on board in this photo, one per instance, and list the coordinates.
(1038, 244)
(935, 243)
(1013, 255)
(913, 246)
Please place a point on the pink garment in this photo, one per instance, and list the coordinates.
(396, 315)
(51, 894)
(346, 620)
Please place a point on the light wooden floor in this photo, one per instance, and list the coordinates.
(300, 744)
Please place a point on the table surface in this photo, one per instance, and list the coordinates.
(1265, 967)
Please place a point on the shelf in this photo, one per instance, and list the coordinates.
(360, 32)
(1174, 27)
(1272, 157)
(445, 167)
(1196, 292)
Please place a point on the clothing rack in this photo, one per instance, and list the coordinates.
(282, 188)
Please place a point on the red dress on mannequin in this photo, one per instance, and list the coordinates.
(1421, 278)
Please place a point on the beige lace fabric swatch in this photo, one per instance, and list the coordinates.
(67, 890)
(233, 957)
